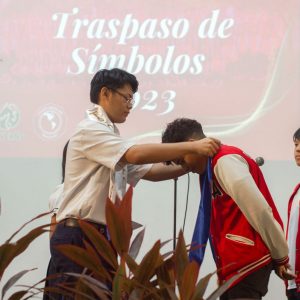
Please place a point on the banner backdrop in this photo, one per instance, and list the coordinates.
(232, 65)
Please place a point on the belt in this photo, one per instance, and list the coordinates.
(72, 222)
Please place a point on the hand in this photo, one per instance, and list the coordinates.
(284, 273)
(207, 146)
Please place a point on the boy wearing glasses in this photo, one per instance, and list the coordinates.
(100, 163)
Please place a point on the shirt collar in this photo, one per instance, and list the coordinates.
(98, 114)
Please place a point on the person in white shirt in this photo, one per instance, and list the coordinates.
(293, 232)
(100, 163)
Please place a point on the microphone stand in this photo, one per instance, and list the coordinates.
(175, 213)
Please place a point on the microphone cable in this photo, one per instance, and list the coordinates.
(187, 201)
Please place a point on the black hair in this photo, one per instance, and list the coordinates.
(112, 79)
(63, 161)
(181, 130)
(296, 135)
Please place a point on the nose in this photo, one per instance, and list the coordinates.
(130, 105)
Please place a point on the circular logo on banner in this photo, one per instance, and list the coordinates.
(50, 121)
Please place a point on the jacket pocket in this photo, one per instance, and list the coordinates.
(239, 239)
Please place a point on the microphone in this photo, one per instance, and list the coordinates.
(259, 161)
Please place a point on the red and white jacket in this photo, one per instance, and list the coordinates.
(246, 229)
(296, 260)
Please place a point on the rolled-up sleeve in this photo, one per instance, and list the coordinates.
(136, 172)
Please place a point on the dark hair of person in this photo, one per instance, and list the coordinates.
(112, 79)
(296, 135)
(181, 130)
(63, 162)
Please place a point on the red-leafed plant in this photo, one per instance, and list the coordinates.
(157, 276)
(169, 276)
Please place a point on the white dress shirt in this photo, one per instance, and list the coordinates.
(93, 168)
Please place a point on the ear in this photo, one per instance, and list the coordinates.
(104, 94)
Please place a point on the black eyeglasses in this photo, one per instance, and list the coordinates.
(128, 99)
